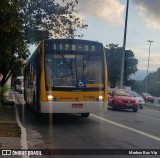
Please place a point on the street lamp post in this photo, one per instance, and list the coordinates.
(146, 88)
(124, 45)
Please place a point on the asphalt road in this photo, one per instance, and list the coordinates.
(109, 130)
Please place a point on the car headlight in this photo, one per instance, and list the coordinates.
(137, 101)
(100, 98)
(50, 97)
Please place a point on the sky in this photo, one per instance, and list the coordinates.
(106, 19)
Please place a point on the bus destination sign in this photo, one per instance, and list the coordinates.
(72, 47)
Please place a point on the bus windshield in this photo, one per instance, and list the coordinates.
(73, 70)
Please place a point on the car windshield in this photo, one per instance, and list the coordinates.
(146, 94)
(135, 94)
(122, 93)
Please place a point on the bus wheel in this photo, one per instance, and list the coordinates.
(84, 114)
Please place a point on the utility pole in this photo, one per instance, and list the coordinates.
(150, 42)
(124, 45)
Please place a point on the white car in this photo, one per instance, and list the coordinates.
(139, 98)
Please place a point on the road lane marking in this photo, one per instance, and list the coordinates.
(149, 117)
(23, 130)
(126, 127)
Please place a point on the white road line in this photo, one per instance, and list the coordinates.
(23, 130)
(149, 117)
(126, 127)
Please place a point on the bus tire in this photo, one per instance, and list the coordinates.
(84, 114)
(34, 103)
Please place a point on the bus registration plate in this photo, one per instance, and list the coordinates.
(77, 105)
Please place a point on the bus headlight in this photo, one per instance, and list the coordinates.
(100, 98)
(50, 97)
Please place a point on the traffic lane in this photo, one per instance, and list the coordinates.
(152, 113)
(52, 133)
(63, 121)
(74, 132)
(129, 121)
(144, 120)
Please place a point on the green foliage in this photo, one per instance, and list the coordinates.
(113, 54)
(114, 60)
(130, 64)
(18, 70)
(12, 41)
(45, 19)
(3, 90)
(130, 83)
(25, 22)
(153, 84)
(139, 86)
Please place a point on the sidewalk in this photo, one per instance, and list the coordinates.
(10, 133)
(12, 136)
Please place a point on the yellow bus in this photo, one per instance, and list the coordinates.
(67, 76)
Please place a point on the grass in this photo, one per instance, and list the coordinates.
(3, 90)
(5, 108)
(152, 106)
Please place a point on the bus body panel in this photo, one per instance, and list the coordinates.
(105, 82)
(43, 96)
(78, 100)
(76, 96)
(71, 107)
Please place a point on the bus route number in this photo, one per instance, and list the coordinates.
(74, 47)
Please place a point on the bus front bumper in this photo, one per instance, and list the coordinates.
(72, 107)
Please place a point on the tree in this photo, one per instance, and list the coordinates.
(25, 22)
(45, 19)
(12, 41)
(139, 86)
(153, 83)
(114, 56)
(130, 65)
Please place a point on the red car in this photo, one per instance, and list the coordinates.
(122, 99)
(147, 97)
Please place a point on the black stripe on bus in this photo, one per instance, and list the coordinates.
(75, 89)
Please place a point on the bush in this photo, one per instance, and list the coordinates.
(3, 90)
